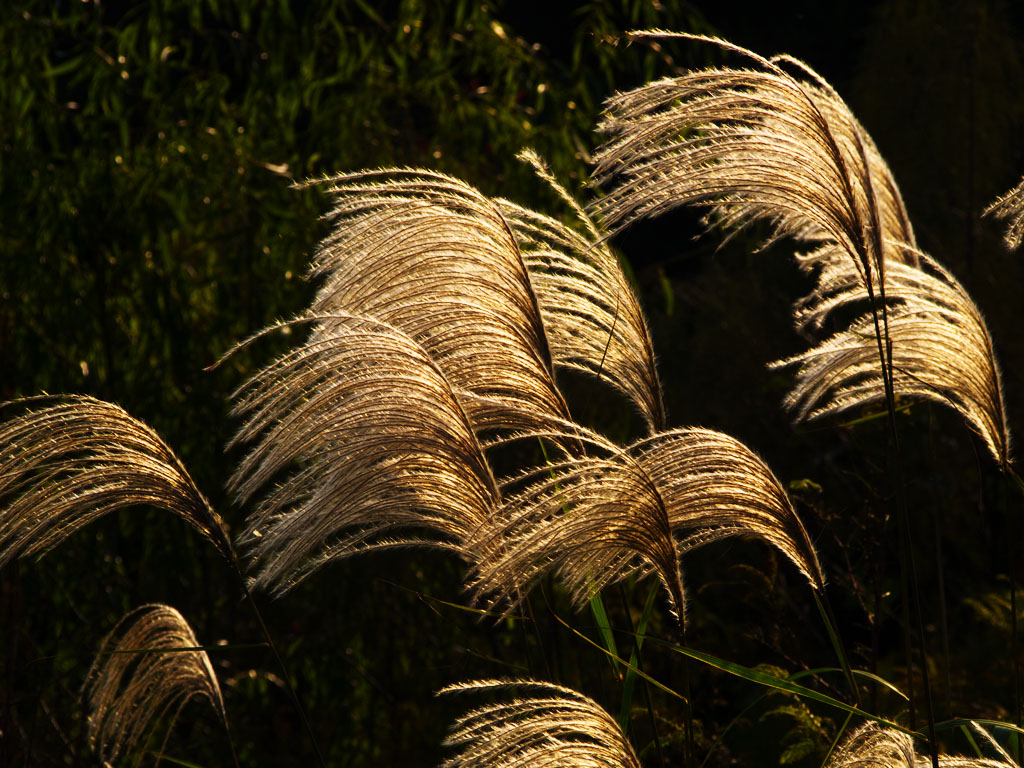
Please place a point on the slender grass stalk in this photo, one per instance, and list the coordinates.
(629, 679)
(825, 609)
(286, 676)
(839, 735)
(1011, 541)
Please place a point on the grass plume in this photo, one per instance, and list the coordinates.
(591, 314)
(548, 725)
(382, 445)
(148, 669)
(65, 465)
(596, 519)
(433, 257)
(941, 350)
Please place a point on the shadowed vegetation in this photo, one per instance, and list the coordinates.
(516, 391)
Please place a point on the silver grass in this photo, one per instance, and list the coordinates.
(433, 257)
(593, 319)
(772, 143)
(65, 465)
(148, 669)
(380, 445)
(777, 144)
(549, 726)
(594, 520)
(1010, 208)
(875, 746)
(940, 350)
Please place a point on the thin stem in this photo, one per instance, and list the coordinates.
(1011, 538)
(231, 743)
(825, 609)
(627, 695)
(691, 751)
(916, 596)
(280, 662)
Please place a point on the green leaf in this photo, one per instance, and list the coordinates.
(634, 660)
(605, 629)
(783, 685)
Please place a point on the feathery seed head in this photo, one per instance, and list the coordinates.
(148, 669)
(65, 465)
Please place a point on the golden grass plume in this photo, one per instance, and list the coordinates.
(773, 143)
(591, 314)
(547, 725)
(941, 350)
(430, 255)
(383, 452)
(64, 465)
(597, 519)
(148, 669)
(875, 746)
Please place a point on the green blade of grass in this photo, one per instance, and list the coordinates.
(604, 627)
(856, 672)
(629, 683)
(781, 684)
(970, 738)
(948, 725)
(639, 672)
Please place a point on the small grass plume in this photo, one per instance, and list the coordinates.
(65, 465)
(433, 257)
(382, 446)
(548, 725)
(148, 669)
(1010, 208)
(596, 519)
(876, 746)
(592, 317)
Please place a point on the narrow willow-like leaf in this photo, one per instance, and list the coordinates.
(433, 257)
(759, 144)
(594, 520)
(548, 725)
(1010, 208)
(65, 465)
(593, 319)
(378, 444)
(941, 350)
(128, 694)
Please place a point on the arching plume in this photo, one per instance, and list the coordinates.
(431, 256)
(1010, 208)
(381, 445)
(549, 726)
(594, 520)
(777, 144)
(758, 144)
(149, 668)
(593, 319)
(941, 350)
(65, 465)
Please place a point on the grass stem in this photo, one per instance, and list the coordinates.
(280, 663)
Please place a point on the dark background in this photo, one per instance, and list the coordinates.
(148, 223)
